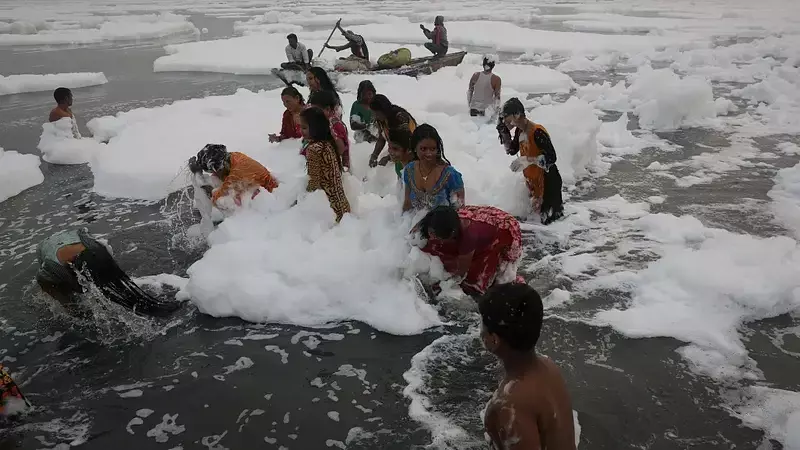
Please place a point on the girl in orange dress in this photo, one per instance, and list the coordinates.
(237, 171)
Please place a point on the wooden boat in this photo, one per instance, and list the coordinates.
(415, 67)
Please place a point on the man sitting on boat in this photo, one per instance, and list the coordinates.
(298, 57)
(438, 45)
(359, 59)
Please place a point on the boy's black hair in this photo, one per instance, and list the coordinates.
(515, 313)
(61, 94)
(292, 36)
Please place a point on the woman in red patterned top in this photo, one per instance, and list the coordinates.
(290, 125)
(327, 103)
(239, 173)
(480, 245)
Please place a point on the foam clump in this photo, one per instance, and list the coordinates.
(18, 172)
(16, 84)
(785, 197)
(59, 145)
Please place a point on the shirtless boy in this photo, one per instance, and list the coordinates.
(531, 408)
(63, 97)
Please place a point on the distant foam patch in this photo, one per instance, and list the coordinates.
(16, 84)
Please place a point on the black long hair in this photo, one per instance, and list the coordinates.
(383, 105)
(325, 83)
(511, 107)
(97, 264)
(291, 91)
(319, 128)
(426, 131)
(323, 99)
(365, 85)
(444, 221)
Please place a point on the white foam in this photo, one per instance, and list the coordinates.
(18, 172)
(109, 28)
(59, 146)
(775, 411)
(785, 197)
(15, 84)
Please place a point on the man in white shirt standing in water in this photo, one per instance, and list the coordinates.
(484, 89)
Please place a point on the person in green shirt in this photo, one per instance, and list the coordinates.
(400, 150)
(362, 120)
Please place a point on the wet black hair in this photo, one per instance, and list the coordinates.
(402, 137)
(443, 221)
(513, 107)
(515, 313)
(292, 92)
(325, 83)
(323, 99)
(319, 127)
(61, 94)
(291, 36)
(426, 131)
(97, 265)
(213, 157)
(382, 104)
(365, 85)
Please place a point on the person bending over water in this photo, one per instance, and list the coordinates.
(388, 117)
(238, 172)
(430, 180)
(361, 116)
(318, 80)
(325, 101)
(68, 258)
(359, 57)
(531, 408)
(322, 160)
(290, 124)
(63, 97)
(479, 245)
(537, 160)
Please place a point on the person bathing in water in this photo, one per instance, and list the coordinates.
(318, 80)
(537, 160)
(290, 124)
(484, 89)
(478, 245)
(323, 164)
(531, 408)
(362, 120)
(400, 150)
(431, 180)
(238, 173)
(70, 259)
(297, 56)
(327, 103)
(388, 117)
(63, 97)
(438, 45)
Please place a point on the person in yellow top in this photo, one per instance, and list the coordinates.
(237, 171)
(537, 160)
(388, 117)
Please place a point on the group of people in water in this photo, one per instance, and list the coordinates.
(479, 246)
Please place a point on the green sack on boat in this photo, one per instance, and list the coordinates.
(394, 59)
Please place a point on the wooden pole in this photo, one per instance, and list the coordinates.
(329, 37)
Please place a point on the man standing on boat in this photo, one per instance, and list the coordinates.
(297, 56)
(484, 89)
(359, 59)
(438, 45)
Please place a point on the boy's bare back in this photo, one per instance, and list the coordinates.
(532, 412)
(57, 114)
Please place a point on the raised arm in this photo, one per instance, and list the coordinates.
(339, 48)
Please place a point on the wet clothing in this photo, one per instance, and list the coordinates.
(439, 44)
(544, 186)
(360, 114)
(290, 128)
(482, 93)
(8, 390)
(297, 55)
(324, 172)
(339, 131)
(357, 45)
(398, 118)
(245, 173)
(494, 238)
(443, 192)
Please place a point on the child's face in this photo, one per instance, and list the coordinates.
(490, 340)
(304, 128)
(397, 152)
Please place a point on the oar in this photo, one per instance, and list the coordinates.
(329, 37)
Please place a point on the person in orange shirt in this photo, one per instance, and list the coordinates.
(237, 171)
(537, 160)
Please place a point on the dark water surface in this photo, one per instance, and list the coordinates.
(313, 389)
